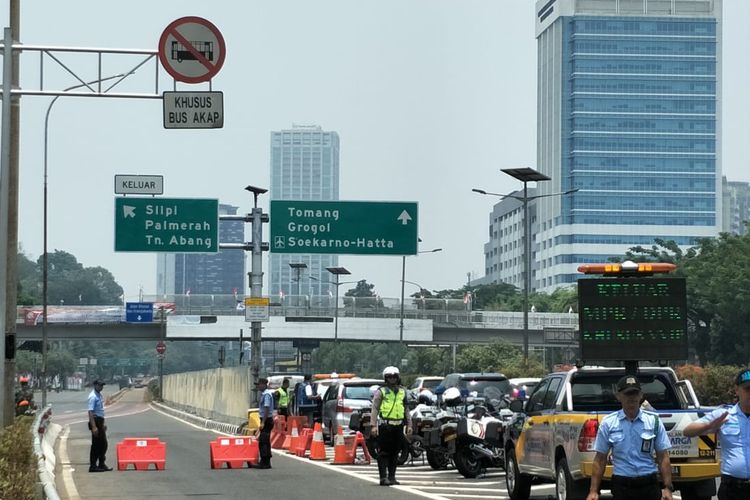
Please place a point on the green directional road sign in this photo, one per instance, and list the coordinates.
(344, 227)
(166, 225)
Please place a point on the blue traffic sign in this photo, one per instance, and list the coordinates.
(139, 312)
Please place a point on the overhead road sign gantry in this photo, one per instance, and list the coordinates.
(180, 225)
(344, 227)
(192, 49)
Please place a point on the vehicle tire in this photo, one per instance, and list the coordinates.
(468, 465)
(566, 487)
(518, 485)
(403, 455)
(438, 460)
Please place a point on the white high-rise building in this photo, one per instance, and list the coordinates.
(304, 166)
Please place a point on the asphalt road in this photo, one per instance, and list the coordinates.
(188, 473)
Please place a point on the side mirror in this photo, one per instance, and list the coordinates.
(516, 406)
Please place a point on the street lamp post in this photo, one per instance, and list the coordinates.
(336, 271)
(45, 266)
(403, 280)
(526, 175)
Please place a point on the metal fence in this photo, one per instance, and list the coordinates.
(442, 311)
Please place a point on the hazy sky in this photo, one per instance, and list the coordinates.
(430, 98)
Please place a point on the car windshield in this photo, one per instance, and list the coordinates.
(490, 389)
(431, 384)
(357, 392)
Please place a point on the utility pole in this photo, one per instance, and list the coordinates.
(256, 285)
(9, 212)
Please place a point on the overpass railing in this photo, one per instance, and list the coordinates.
(448, 312)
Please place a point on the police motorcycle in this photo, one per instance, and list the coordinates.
(479, 436)
(439, 437)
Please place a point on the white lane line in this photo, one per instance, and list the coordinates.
(67, 470)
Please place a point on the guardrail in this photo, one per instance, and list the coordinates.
(453, 312)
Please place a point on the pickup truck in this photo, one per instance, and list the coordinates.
(551, 437)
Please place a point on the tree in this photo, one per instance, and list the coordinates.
(499, 356)
(68, 282)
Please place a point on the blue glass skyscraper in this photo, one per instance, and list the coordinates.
(628, 113)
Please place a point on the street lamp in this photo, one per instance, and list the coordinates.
(526, 175)
(337, 271)
(44, 229)
(298, 268)
(403, 280)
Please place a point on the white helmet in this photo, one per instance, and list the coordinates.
(392, 370)
(452, 396)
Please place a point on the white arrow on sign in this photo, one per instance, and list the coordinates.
(404, 217)
(139, 317)
(128, 211)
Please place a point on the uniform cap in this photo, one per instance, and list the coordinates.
(262, 380)
(743, 377)
(97, 382)
(628, 383)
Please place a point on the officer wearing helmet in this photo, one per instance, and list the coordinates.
(389, 404)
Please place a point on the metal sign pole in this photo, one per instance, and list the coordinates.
(256, 290)
(5, 418)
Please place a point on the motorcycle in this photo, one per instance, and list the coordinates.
(478, 442)
(439, 436)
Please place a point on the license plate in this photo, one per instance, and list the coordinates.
(675, 470)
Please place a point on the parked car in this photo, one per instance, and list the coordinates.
(422, 383)
(521, 388)
(493, 387)
(341, 399)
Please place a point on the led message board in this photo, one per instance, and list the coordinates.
(632, 319)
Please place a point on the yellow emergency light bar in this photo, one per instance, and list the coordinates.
(627, 268)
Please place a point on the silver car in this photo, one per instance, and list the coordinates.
(341, 399)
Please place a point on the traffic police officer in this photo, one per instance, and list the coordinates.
(634, 436)
(389, 404)
(732, 423)
(283, 393)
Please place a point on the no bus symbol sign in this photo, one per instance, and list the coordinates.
(192, 49)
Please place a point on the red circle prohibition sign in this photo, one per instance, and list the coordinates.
(192, 49)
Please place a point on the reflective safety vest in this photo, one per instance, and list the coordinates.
(283, 397)
(392, 404)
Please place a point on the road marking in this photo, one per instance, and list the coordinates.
(67, 470)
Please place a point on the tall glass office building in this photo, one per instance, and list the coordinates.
(628, 113)
(304, 166)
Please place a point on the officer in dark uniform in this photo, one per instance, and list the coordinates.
(389, 407)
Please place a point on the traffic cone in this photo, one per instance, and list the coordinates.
(318, 447)
(341, 455)
(294, 438)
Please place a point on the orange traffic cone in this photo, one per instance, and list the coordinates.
(341, 455)
(294, 438)
(318, 447)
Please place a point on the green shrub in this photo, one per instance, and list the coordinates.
(714, 384)
(17, 461)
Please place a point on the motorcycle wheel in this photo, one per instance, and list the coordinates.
(438, 460)
(403, 455)
(467, 464)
